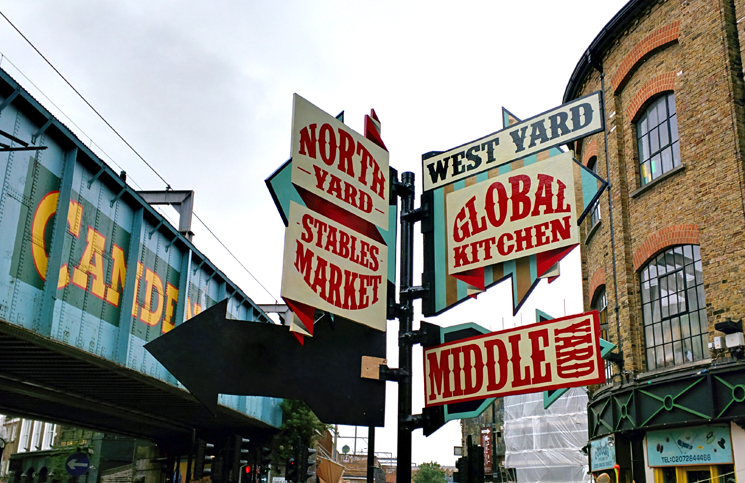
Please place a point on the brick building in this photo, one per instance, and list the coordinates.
(663, 255)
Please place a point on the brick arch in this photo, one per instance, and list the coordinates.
(664, 238)
(662, 36)
(597, 281)
(661, 83)
(590, 151)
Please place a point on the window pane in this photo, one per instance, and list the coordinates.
(670, 261)
(674, 128)
(696, 252)
(652, 116)
(678, 352)
(661, 267)
(695, 328)
(645, 174)
(697, 352)
(649, 333)
(685, 328)
(661, 110)
(676, 154)
(671, 103)
(667, 332)
(660, 357)
(687, 350)
(667, 159)
(650, 359)
(689, 276)
(697, 270)
(703, 322)
(665, 307)
(664, 134)
(643, 125)
(655, 166)
(656, 313)
(692, 299)
(654, 140)
(688, 253)
(663, 287)
(654, 289)
(669, 359)
(676, 328)
(644, 148)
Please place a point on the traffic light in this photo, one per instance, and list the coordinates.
(310, 464)
(205, 456)
(291, 470)
(245, 474)
(238, 456)
(266, 460)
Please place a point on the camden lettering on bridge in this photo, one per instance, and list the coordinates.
(335, 269)
(94, 269)
(551, 355)
(520, 213)
(558, 126)
(338, 164)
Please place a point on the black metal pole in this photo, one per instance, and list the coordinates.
(371, 454)
(405, 318)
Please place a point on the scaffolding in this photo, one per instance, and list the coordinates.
(544, 445)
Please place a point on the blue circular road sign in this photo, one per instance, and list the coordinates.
(77, 464)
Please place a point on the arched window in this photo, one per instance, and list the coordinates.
(676, 330)
(600, 303)
(595, 213)
(657, 138)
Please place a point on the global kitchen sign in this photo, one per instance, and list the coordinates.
(520, 213)
(551, 355)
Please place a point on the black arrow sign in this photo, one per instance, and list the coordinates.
(213, 355)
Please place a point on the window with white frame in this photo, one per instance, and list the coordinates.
(25, 435)
(36, 436)
(657, 139)
(49, 432)
(676, 329)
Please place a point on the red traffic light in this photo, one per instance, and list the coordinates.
(247, 469)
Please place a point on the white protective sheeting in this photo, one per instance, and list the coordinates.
(544, 445)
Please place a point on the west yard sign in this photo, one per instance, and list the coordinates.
(561, 125)
(556, 354)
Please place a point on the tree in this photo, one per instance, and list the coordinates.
(299, 424)
(430, 473)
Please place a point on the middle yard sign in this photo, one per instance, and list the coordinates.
(561, 125)
(556, 354)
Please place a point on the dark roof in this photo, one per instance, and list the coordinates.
(594, 53)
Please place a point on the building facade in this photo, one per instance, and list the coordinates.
(663, 253)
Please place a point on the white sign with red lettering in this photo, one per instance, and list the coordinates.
(520, 213)
(339, 164)
(551, 355)
(334, 269)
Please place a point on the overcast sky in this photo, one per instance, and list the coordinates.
(203, 90)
